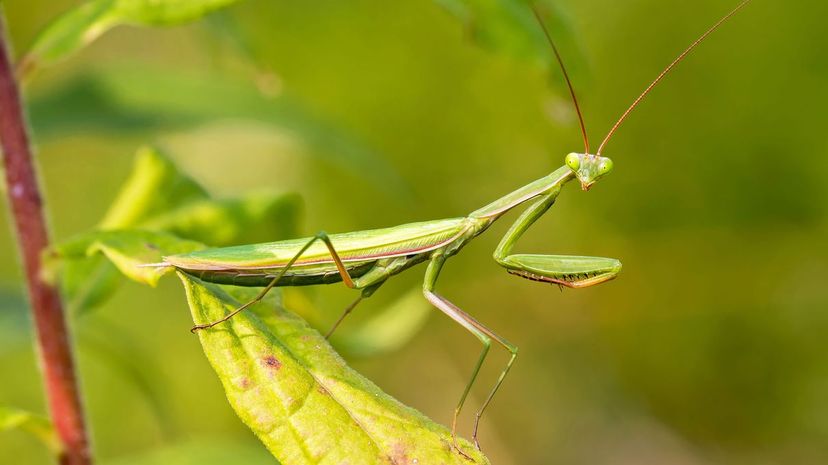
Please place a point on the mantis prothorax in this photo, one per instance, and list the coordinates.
(364, 260)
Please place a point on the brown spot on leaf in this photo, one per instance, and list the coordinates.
(321, 389)
(399, 454)
(271, 361)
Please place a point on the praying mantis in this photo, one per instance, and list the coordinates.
(365, 260)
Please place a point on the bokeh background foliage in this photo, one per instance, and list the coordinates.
(708, 349)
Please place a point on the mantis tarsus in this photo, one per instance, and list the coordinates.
(364, 260)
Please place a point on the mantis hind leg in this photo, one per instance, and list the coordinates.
(371, 281)
(366, 292)
(320, 236)
(484, 334)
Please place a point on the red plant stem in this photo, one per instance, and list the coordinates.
(26, 205)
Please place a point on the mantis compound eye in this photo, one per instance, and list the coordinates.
(605, 166)
(573, 161)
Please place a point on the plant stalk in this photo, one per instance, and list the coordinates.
(27, 209)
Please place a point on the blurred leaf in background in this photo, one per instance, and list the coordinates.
(510, 27)
(37, 425)
(82, 25)
(123, 100)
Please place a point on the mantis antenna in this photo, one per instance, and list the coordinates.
(566, 76)
(667, 70)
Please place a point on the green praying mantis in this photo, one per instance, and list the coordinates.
(364, 260)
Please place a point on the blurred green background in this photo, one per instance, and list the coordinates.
(710, 348)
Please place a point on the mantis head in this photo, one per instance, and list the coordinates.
(588, 168)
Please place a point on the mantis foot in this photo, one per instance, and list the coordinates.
(454, 444)
(197, 328)
(474, 433)
(457, 448)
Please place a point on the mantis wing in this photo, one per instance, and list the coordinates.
(407, 239)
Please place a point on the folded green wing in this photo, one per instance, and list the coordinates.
(373, 244)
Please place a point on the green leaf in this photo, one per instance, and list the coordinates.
(86, 281)
(510, 27)
(299, 397)
(155, 186)
(80, 26)
(253, 217)
(129, 250)
(225, 32)
(388, 330)
(157, 196)
(37, 425)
